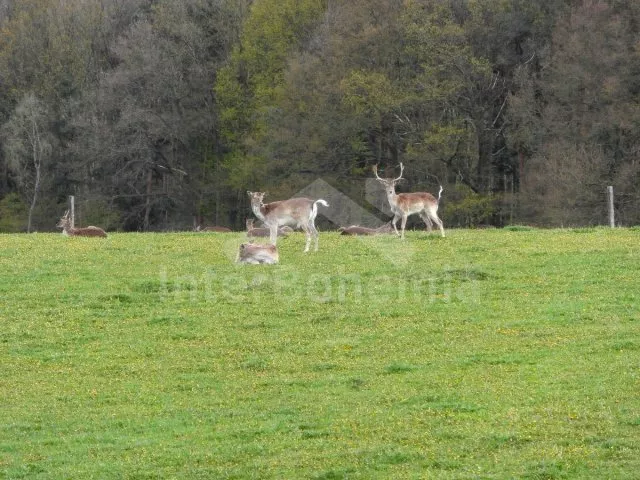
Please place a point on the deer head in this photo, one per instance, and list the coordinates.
(65, 221)
(389, 183)
(256, 197)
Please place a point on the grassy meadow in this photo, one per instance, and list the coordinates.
(485, 354)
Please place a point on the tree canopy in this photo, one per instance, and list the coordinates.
(160, 113)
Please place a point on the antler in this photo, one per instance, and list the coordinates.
(375, 170)
(401, 170)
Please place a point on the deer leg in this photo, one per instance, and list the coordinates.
(439, 223)
(396, 217)
(316, 235)
(305, 229)
(273, 234)
(425, 218)
(404, 224)
(434, 216)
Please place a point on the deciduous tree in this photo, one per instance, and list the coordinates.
(27, 145)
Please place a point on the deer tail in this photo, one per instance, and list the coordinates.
(440, 193)
(314, 209)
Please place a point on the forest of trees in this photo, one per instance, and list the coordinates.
(157, 114)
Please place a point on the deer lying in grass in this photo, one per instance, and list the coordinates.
(253, 232)
(358, 230)
(405, 204)
(295, 212)
(253, 253)
(216, 229)
(68, 230)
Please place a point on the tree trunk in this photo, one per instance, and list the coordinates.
(36, 188)
(35, 142)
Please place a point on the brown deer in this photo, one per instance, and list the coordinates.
(295, 212)
(253, 253)
(358, 230)
(405, 204)
(253, 232)
(68, 230)
(216, 229)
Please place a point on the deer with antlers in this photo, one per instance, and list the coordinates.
(68, 230)
(295, 212)
(405, 204)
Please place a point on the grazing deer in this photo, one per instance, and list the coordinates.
(254, 254)
(265, 232)
(405, 204)
(213, 229)
(358, 230)
(295, 212)
(68, 230)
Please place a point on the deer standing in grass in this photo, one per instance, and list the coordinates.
(295, 212)
(405, 204)
(68, 230)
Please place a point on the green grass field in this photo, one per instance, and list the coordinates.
(486, 354)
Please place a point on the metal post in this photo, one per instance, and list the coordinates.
(612, 221)
(72, 202)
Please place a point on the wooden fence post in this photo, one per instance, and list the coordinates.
(612, 220)
(72, 202)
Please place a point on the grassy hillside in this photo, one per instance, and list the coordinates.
(486, 354)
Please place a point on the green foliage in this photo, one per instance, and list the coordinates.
(13, 213)
(439, 46)
(574, 119)
(369, 93)
(167, 109)
(275, 28)
(97, 212)
(244, 171)
(442, 141)
(251, 87)
(48, 50)
(489, 354)
(470, 208)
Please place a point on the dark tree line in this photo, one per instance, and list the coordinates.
(157, 114)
